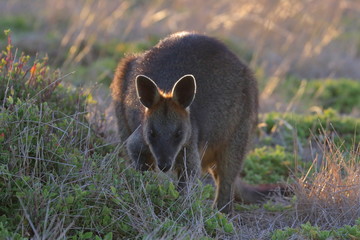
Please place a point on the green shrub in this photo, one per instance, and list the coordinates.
(348, 232)
(46, 143)
(36, 83)
(268, 165)
(340, 94)
(342, 129)
(218, 222)
(308, 231)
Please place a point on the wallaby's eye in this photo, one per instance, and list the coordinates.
(178, 134)
(152, 133)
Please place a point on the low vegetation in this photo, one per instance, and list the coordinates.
(340, 94)
(59, 178)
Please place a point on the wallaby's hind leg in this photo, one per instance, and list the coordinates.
(139, 152)
(224, 178)
(228, 164)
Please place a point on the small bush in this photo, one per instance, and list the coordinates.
(292, 128)
(340, 94)
(308, 231)
(269, 165)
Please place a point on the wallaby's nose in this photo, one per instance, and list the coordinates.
(164, 167)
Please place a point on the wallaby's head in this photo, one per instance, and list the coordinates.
(166, 124)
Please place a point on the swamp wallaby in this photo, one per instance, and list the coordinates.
(189, 104)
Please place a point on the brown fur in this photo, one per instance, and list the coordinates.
(118, 90)
(163, 130)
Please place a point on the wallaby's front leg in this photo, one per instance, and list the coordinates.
(139, 152)
(187, 166)
(227, 168)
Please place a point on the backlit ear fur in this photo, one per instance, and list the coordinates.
(147, 91)
(184, 90)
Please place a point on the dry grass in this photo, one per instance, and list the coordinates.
(330, 196)
(309, 38)
(327, 197)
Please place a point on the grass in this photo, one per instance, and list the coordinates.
(61, 179)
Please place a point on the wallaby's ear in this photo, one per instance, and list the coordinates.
(184, 90)
(147, 91)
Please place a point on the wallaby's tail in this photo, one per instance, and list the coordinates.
(258, 193)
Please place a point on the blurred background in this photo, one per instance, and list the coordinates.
(300, 51)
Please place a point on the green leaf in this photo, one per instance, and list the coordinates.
(108, 236)
(113, 189)
(87, 235)
(10, 100)
(69, 199)
(7, 32)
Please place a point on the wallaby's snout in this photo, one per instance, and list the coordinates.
(165, 151)
(164, 164)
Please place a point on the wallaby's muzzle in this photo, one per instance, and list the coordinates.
(164, 162)
(164, 167)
